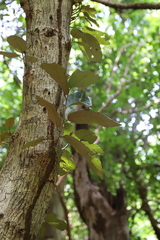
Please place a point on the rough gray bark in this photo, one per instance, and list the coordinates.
(28, 175)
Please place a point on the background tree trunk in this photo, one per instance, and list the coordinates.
(28, 174)
(104, 214)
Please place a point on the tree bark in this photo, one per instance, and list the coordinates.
(104, 214)
(28, 175)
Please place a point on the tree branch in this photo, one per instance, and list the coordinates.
(134, 6)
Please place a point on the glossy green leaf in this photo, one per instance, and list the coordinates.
(30, 59)
(33, 143)
(52, 113)
(85, 135)
(9, 122)
(82, 79)
(96, 166)
(17, 43)
(79, 147)
(93, 118)
(58, 73)
(68, 128)
(79, 98)
(67, 163)
(9, 54)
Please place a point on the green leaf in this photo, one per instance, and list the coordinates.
(96, 166)
(17, 43)
(52, 113)
(79, 98)
(85, 135)
(58, 73)
(93, 118)
(79, 147)
(68, 128)
(3, 136)
(82, 79)
(67, 163)
(30, 59)
(33, 143)
(90, 19)
(9, 122)
(101, 37)
(94, 148)
(42, 231)
(52, 219)
(76, 33)
(9, 55)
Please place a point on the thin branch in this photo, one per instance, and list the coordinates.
(134, 6)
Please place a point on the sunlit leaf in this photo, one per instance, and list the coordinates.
(79, 147)
(94, 148)
(68, 128)
(101, 37)
(9, 55)
(82, 79)
(67, 163)
(85, 135)
(52, 113)
(79, 98)
(58, 73)
(93, 118)
(9, 122)
(17, 43)
(33, 143)
(96, 166)
(30, 59)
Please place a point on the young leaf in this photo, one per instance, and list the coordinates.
(85, 135)
(79, 98)
(96, 166)
(9, 122)
(58, 73)
(52, 113)
(79, 147)
(82, 79)
(94, 148)
(66, 163)
(9, 55)
(33, 143)
(93, 118)
(68, 128)
(30, 59)
(17, 43)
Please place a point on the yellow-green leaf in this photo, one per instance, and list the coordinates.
(33, 143)
(58, 73)
(68, 128)
(96, 166)
(3, 136)
(17, 43)
(85, 135)
(101, 37)
(52, 113)
(82, 79)
(67, 163)
(9, 122)
(91, 117)
(9, 54)
(79, 147)
(52, 219)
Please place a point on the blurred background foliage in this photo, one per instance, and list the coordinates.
(128, 91)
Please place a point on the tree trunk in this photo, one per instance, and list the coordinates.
(28, 175)
(104, 214)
